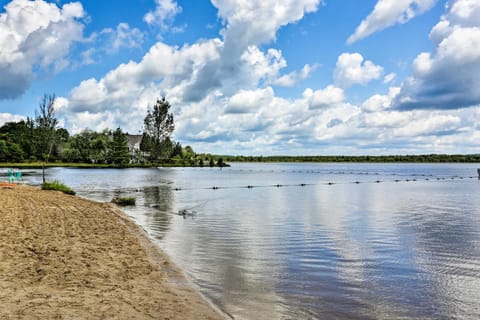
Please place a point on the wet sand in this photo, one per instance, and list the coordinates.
(64, 257)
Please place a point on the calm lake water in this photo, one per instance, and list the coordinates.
(384, 241)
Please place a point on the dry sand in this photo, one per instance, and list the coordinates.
(63, 257)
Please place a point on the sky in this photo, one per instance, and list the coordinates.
(258, 77)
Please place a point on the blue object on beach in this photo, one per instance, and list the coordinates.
(11, 175)
(14, 175)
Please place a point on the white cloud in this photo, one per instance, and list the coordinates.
(388, 13)
(379, 102)
(292, 78)
(431, 125)
(352, 69)
(331, 96)
(449, 77)
(389, 77)
(249, 100)
(35, 33)
(126, 37)
(8, 117)
(264, 66)
(163, 14)
(195, 73)
(254, 22)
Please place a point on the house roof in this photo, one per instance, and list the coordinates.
(134, 139)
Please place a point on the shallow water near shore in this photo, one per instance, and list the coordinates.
(308, 241)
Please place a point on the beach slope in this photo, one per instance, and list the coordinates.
(64, 257)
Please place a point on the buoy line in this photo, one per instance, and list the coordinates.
(398, 179)
(330, 183)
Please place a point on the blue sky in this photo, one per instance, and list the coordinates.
(254, 77)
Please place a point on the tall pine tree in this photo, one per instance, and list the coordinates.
(118, 152)
(158, 128)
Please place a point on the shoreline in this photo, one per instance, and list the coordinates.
(175, 274)
(65, 256)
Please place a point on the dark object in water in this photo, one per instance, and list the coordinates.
(186, 213)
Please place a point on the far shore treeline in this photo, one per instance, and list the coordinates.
(425, 158)
(40, 142)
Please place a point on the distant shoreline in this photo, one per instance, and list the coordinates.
(426, 158)
(37, 165)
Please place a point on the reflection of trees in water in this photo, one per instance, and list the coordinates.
(158, 208)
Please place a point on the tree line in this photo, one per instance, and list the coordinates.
(40, 139)
(425, 158)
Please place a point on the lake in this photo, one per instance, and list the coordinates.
(311, 241)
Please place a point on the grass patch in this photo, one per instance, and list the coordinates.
(124, 201)
(57, 186)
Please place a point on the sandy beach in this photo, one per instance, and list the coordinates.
(64, 257)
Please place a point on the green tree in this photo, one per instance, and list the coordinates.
(118, 149)
(9, 150)
(46, 124)
(81, 143)
(23, 134)
(16, 153)
(158, 128)
(4, 152)
(177, 149)
(62, 135)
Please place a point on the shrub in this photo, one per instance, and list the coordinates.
(124, 201)
(57, 186)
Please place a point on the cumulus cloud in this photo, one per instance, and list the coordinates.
(256, 22)
(449, 77)
(388, 13)
(292, 78)
(125, 37)
(246, 101)
(331, 96)
(8, 117)
(35, 34)
(163, 14)
(247, 25)
(352, 69)
(380, 102)
(215, 68)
